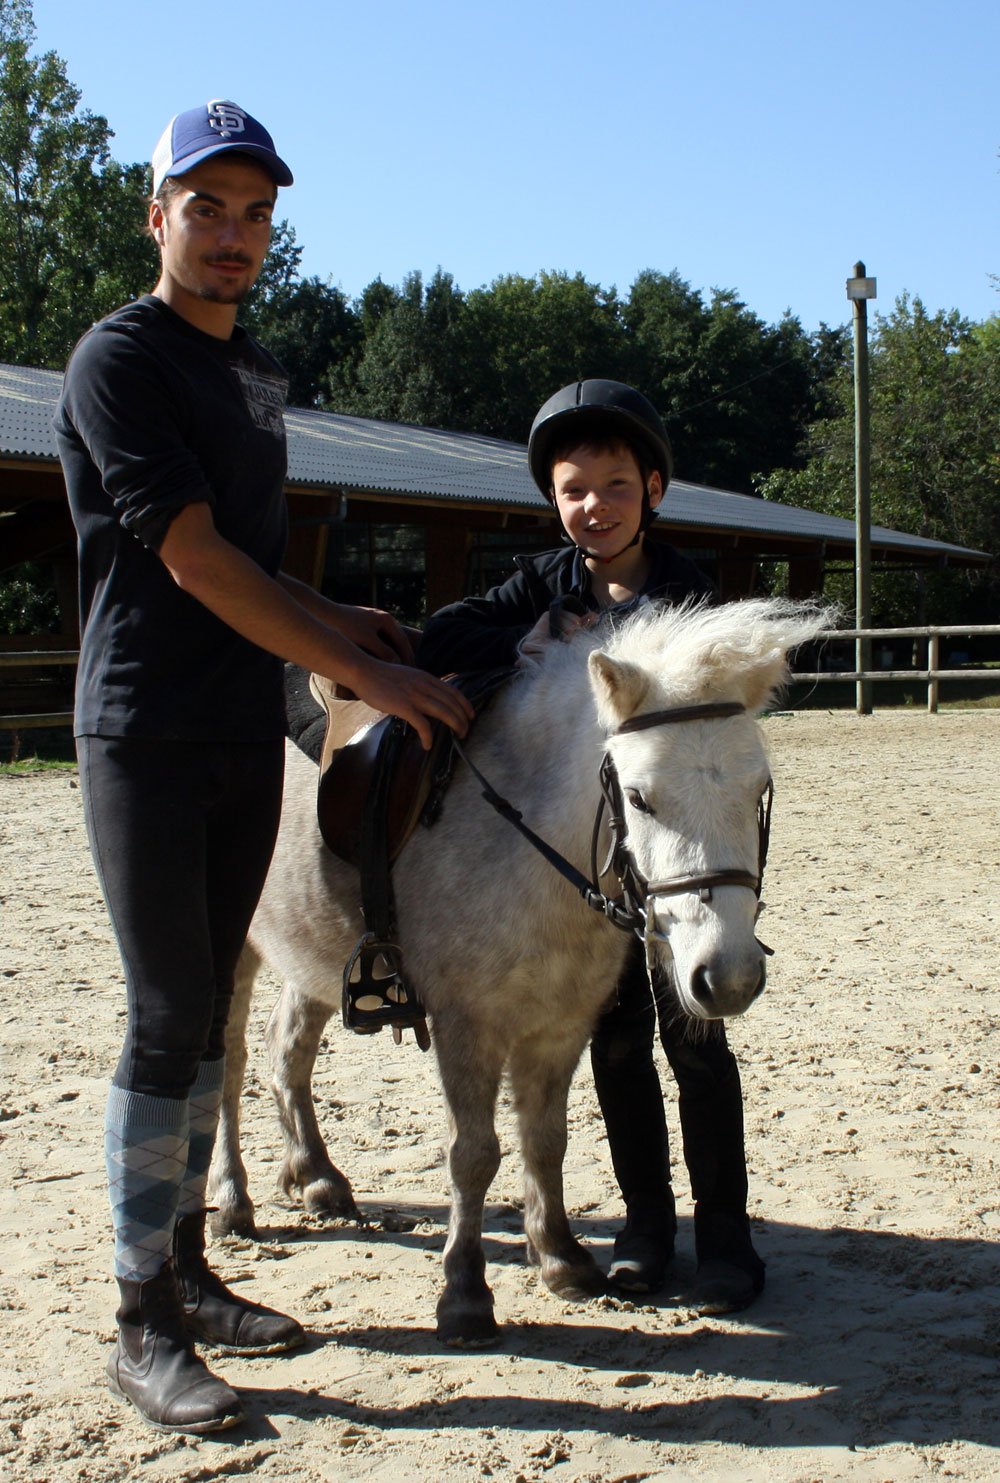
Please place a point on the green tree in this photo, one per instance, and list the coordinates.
(308, 324)
(737, 394)
(408, 369)
(478, 363)
(313, 330)
(279, 274)
(28, 602)
(71, 218)
(934, 391)
(524, 338)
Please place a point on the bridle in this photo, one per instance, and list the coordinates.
(631, 910)
(636, 890)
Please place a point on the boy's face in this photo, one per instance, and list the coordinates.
(598, 495)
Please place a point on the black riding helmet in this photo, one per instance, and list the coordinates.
(607, 405)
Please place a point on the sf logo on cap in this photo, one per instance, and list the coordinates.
(226, 118)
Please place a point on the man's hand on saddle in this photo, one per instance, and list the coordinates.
(377, 633)
(416, 696)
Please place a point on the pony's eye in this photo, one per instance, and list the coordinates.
(637, 801)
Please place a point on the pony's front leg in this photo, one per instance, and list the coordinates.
(227, 1188)
(465, 1307)
(540, 1080)
(294, 1032)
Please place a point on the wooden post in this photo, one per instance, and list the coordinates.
(310, 516)
(447, 550)
(933, 665)
(859, 289)
(805, 577)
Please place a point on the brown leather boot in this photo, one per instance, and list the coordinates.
(213, 1314)
(154, 1364)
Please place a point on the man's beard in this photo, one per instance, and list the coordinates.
(228, 294)
(234, 295)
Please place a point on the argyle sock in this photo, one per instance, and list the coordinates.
(203, 1112)
(145, 1145)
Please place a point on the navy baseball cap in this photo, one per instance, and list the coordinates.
(202, 132)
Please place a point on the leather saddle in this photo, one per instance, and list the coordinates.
(355, 733)
(376, 783)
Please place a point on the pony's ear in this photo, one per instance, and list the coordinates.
(618, 686)
(760, 681)
(728, 672)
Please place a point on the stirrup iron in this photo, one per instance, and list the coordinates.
(372, 1000)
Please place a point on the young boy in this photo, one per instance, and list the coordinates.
(599, 452)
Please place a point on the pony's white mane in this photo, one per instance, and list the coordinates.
(660, 656)
(735, 651)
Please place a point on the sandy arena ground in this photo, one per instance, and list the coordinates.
(872, 1080)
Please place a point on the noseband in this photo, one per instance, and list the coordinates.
(631, 910)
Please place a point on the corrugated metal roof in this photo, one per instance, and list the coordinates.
(328, 450)
(392, 457)
(27, 401)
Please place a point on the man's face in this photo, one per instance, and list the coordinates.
(214, 233)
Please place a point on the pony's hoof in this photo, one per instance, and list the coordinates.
(233, 1220)
(461, 1337)
(467, 1327)
(578, 1287)
(330, 1197)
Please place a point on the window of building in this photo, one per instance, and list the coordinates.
(377, 566)
(491, 560)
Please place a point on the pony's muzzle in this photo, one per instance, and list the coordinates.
(718, 991)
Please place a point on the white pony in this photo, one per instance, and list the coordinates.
(511, 964)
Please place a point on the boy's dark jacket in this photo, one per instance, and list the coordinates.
(484, 632)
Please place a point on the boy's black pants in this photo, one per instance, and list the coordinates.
(628, 1089)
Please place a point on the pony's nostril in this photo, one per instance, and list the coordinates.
(700, 987)
(761, 982)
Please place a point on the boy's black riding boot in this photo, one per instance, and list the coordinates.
(213, 1314)
(154, 1364)
(730, 1273)
(631, 1100)
(644, 1247)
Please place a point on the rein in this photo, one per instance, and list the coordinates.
(618, 913)
(630, 911)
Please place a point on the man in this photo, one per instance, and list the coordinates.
(172, 442)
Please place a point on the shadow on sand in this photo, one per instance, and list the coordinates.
(895, 1337)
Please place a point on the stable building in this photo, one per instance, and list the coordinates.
(410, 518)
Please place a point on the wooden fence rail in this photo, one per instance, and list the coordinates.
(32, 659)
(931, 676)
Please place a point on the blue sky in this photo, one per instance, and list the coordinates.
(762, 147)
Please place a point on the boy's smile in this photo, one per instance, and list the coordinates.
(599, 497)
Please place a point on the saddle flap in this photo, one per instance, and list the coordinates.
(354, 733)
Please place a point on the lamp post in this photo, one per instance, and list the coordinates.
(859, 290)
